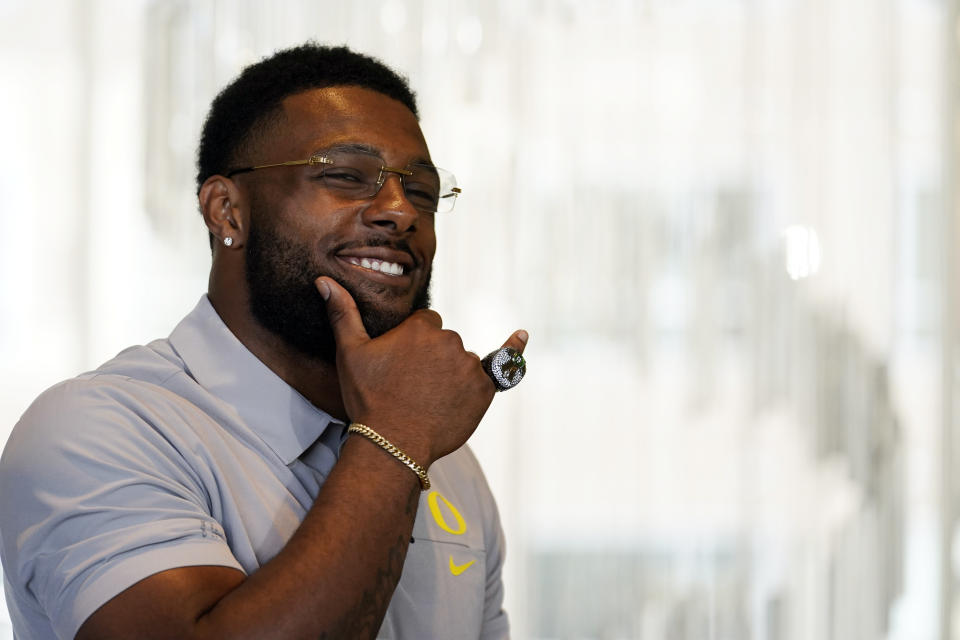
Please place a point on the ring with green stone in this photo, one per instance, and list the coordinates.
(506, 367)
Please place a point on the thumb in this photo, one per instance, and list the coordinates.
(348, 329)
(518, 341)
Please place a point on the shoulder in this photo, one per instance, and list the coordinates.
(132, 374)
(119, 419)
(132, 383)
(129, 379)
(122, 397)
(119, 415)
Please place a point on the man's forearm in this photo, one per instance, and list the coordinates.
(336, 575)
(333, 579)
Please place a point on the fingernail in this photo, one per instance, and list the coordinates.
(324, 290)
(522, 335)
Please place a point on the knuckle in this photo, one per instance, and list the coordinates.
(453, 338)
(430, 316)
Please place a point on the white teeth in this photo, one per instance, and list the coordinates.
(390, 268)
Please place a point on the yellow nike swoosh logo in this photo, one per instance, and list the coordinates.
(457, 569)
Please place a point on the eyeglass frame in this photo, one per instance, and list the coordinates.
(321, 158)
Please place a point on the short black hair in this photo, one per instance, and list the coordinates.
(248, 103)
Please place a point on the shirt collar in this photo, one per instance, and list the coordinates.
(286, 421)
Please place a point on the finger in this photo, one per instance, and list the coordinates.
(344, 317)
(518, 340)
(430, 316)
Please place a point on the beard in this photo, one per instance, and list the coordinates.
(280, 275)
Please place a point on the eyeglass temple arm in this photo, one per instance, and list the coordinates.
(312, 160)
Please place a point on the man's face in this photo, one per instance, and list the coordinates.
(299, 230)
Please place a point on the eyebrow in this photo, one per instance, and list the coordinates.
(367, 148)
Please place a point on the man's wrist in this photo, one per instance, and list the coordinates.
(395, 451)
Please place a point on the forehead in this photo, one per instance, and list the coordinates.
(319, 118)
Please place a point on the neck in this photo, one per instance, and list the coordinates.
(313, 378)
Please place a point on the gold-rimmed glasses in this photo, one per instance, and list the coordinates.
(358, 175)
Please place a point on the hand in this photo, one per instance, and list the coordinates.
(416, 385)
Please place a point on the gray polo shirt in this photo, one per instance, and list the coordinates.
(190, 451)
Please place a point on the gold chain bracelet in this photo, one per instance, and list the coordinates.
(389, 447)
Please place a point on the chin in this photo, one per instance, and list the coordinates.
(380, 315)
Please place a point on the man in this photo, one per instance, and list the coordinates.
(207, 485)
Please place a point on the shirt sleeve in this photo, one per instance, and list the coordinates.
(95, 495)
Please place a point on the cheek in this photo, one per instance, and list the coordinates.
(298, 203)
(271, 210)
(431, 246)
(427, 237)
(314, 220)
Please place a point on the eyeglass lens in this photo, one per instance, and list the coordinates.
(360, 175)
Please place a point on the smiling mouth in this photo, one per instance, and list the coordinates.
(380, 266)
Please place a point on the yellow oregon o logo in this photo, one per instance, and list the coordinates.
(438, 516)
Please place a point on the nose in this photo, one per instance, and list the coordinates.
(390, 209)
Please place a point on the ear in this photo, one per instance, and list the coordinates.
(223, 211)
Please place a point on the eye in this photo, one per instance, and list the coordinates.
(348, 181)
(342, 175)
(422, 195)
(422, 188)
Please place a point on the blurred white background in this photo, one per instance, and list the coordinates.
(729, 226)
